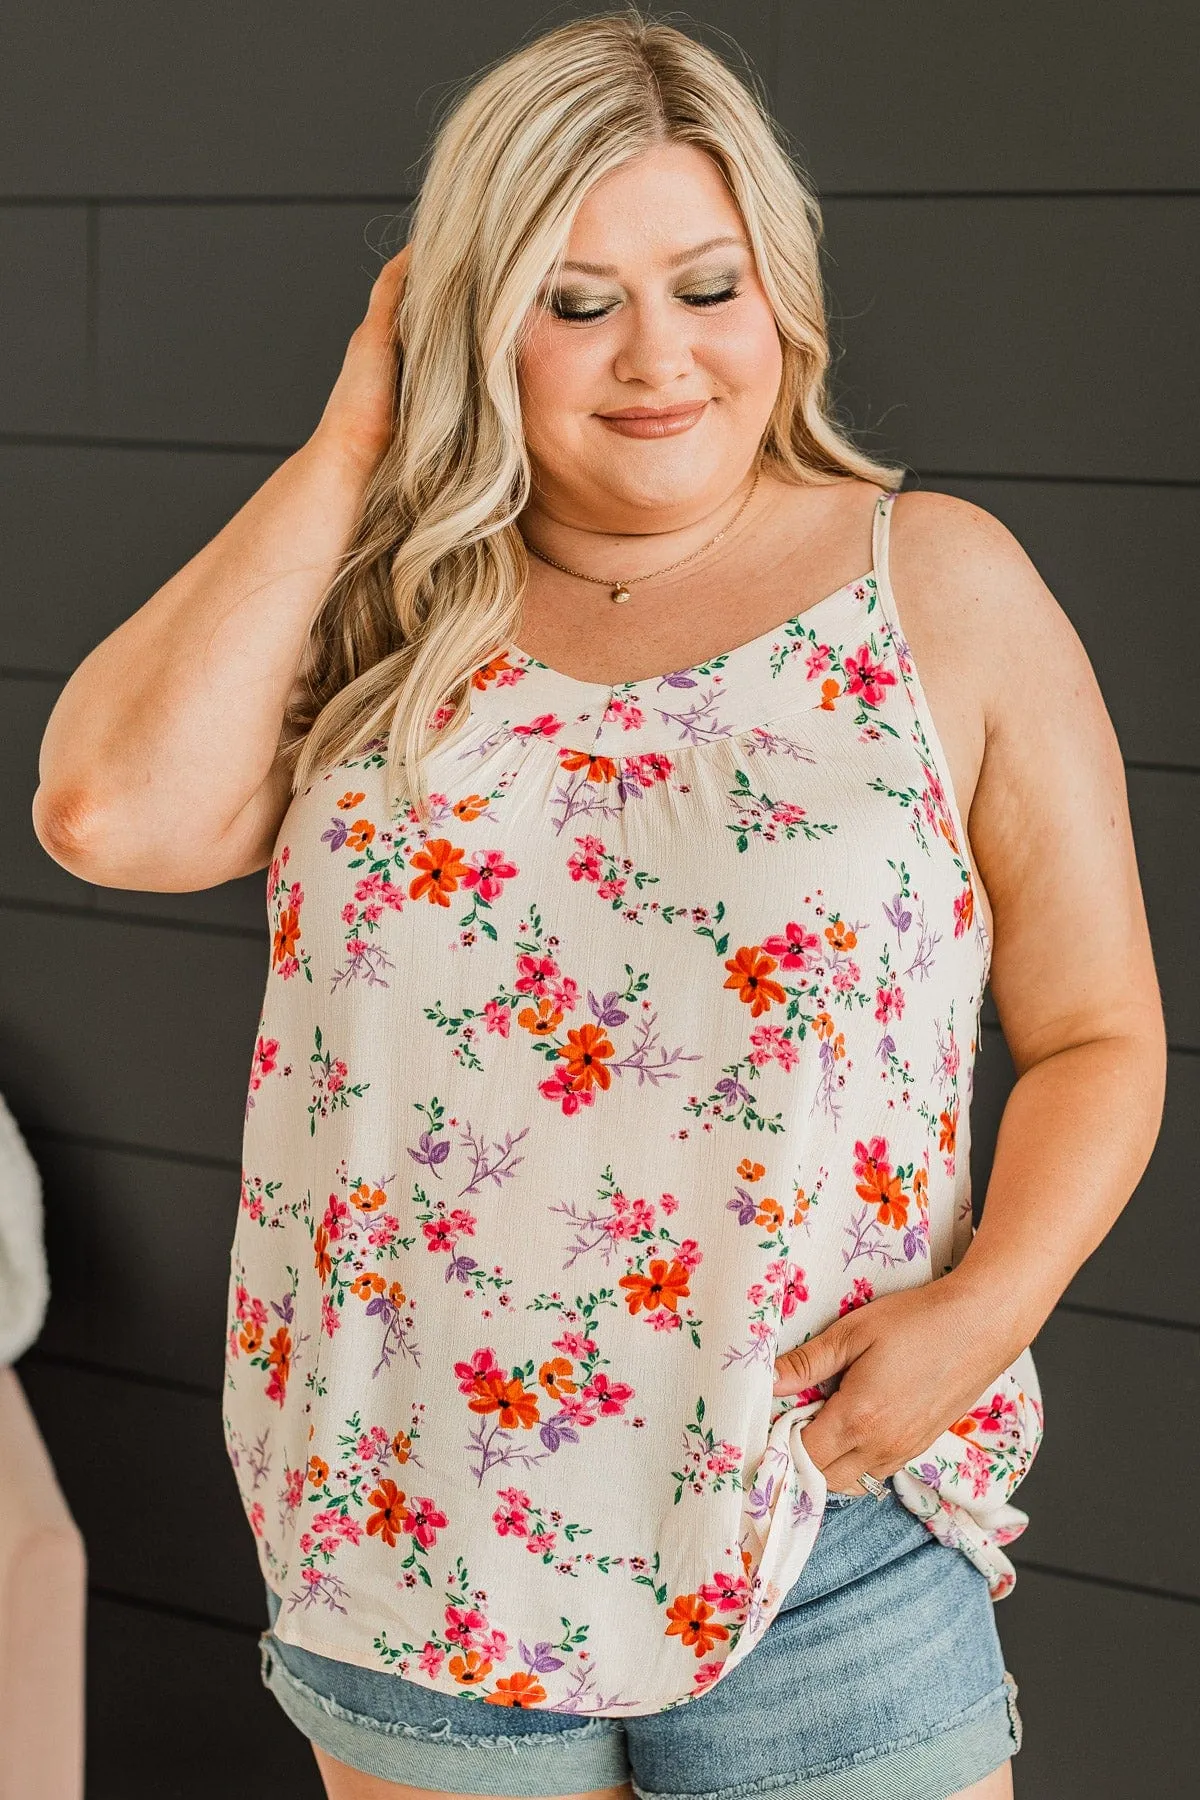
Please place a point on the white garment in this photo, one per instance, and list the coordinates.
(569, 1113)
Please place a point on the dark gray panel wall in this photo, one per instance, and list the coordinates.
(192, 206)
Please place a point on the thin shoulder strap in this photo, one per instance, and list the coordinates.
(880, 541)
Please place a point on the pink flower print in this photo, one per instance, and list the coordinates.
(266, 1053)
(620, 711)
(867, 676)
(689, 1254)
(384, 1229)
(613, 1396)
(497, 1017)
(584, 865)
(728, 1593)
(542, 1541)
(462, 1625)
(336, 1078)
(862, 1291)
(573, 1343)
(889, 1002)
(511, 1521)
(257, 1518)
(330, 1317)
(483, 1362)
(817, 661)
(489, 870)
(795, 947)
(293, 1488)
(845, 978)
(336, 1214)
(546, 725)
(424, 1521)
(431, 1660)
(669, 1203)
(768, 1043)
(663, 1319)
(611, 890)
(534, 974)
(513, 1496)
(794, 1291)
(558, 1087)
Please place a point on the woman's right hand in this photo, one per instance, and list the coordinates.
(358, 416)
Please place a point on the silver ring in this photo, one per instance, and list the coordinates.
(874, 1486)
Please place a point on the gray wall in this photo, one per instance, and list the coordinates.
(192, 204)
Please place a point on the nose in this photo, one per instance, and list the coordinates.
(656, 346)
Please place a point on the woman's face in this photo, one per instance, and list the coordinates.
(664, 324)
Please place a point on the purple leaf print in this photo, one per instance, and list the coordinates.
(761, 1499)
(682, 678)
(283, 1309)
(540, 1661)
(461, 1267)
(558, 1431)
(732, 1091)
(898, 914)
(606, 1011)
(430, 1153)
(335, 837)
(744, 1205)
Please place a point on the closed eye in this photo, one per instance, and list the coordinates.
(559, 311)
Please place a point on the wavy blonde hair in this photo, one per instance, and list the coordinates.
(430, 586)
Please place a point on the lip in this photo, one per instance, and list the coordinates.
(650, 421)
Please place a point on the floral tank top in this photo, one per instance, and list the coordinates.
(569, 1112)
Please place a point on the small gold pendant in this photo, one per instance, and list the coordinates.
(620, 593)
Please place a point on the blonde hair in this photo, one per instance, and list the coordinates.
(430, 586)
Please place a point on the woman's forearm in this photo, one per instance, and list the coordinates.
(169, 726)
(1075, 1137)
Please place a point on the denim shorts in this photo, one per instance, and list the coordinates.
(881, 1678)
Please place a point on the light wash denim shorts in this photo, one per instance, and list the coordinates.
(881, 1678)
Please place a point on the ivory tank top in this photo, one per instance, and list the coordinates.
(649, 1057)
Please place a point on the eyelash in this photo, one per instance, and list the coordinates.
(585, 318)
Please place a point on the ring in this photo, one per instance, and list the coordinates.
(874, 1486)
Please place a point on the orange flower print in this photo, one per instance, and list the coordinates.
(543, 1020)
(829, 693)
(389, 1520)
(496, 1392)
(769, 1214)
(318, 1470)
(599, 768)
(367, 1285)
(663, 1285)
(367, 1198)
(692, 1622)
(964, 909)
(360, 834)
(250, 1336)
(322, 1261)
(878, 1185)
(353, 797)
(750, 1171)
(518, 1689)
(488, 673)
(748, 972)
(583, 1053)
(279, 1361)
(287, 936)
(470, 807)
(949, 1129)
(469, 1670)
(554, 1376)
(840, 935)
(402, 1446)
(442, 866)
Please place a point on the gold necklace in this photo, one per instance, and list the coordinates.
(621, 589)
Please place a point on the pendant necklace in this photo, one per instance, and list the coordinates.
(620, 590)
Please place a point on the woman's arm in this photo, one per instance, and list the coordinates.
(158, 766)
(1074, 983)
(1073, 976)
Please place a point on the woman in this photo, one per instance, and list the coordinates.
(608, 1338)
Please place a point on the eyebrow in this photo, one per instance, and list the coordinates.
(673, 262)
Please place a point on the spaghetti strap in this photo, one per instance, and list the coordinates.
(880, 553)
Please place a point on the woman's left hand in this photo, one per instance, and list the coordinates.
(915, 1362)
